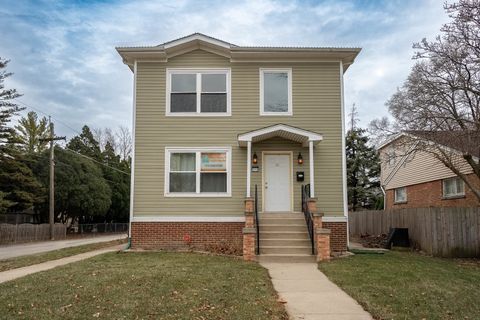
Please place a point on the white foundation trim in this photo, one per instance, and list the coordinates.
(187, 219)
(334, 219)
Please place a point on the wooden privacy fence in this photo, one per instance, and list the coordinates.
(13, 233)
(444, 232)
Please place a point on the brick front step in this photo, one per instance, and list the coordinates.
(290, 258)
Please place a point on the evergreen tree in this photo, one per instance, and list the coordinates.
(363, 170)
(86, 144)
(19, 189)
(30, 131)
(119, 183)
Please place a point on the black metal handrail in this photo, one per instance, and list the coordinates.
(307, 214)
(257, 222)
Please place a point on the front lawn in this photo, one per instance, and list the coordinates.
(32, 259)
(147, 285)
(405, 285)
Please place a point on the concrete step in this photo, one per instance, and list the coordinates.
(283, 227)
(289, 258)
(287, 221)
(285, 242)
(284, 235)
(280, 215)
(285, 250)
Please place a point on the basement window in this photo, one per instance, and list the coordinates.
(198, 172)
(194, 92)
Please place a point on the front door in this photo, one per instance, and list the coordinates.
(277, 193)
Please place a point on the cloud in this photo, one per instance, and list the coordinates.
(65, 63)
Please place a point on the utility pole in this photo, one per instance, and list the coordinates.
(52, 139)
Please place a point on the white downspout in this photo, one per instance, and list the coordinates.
(249, 166)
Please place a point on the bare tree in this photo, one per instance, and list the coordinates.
(99, 135)
(124, 142)
(439, 103)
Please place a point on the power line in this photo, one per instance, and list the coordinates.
(40, 111)
(101, 163)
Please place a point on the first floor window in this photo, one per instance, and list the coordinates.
(198, 171)
(453, 187)
(401, 195)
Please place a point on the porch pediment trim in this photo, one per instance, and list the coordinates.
(280, 130)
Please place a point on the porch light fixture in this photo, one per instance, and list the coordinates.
(300, 158)
(255, 158)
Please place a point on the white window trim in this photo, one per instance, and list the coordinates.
(197, 150)
(453, 195)
(170, 71)
(290, 104)
(395, 195)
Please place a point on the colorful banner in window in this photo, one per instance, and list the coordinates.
(214, 162)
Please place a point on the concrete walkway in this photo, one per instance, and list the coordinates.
(21, 272)
(17, 250)
(310, 295)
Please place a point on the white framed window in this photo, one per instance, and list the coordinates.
(401, 195)
(453, 187)
(198, 92)
(198, 172)
(276, 92)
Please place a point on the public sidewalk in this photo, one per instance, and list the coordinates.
(310, 295)
(21, 272)
(23, 249)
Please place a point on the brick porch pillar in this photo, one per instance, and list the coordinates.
(321, 235)
(249, 231)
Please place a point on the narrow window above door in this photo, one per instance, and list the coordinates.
(275, 92)
(198, 92)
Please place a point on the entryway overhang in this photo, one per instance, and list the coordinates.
(280, 130)
(305, 137)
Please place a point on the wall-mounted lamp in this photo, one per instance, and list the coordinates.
(300, 158)
(255, 158)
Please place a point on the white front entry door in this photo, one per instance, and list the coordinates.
(277, 193)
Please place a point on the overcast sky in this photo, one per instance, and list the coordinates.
(64, 60)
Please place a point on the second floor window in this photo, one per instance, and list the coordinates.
(198, 92)
(276, 92)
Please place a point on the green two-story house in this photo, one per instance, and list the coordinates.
(219, 127)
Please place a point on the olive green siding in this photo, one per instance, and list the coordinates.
(316, 107)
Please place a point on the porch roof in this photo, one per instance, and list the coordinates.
(279, 130)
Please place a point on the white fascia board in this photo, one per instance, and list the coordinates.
(198, 37)
(280, 127)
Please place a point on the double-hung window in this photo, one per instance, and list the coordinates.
(276, 92)
(193, 92)
(453, 187)
(401, 195)
(198, 172)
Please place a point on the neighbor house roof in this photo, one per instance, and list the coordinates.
(236, 53)
(465, 141)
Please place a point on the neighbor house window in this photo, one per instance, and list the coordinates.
(453, 187)
(401, 195)
(275, 91)
(192, 92)
(197, 172)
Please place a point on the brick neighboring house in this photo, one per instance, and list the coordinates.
(418, 180)
(213, 122)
